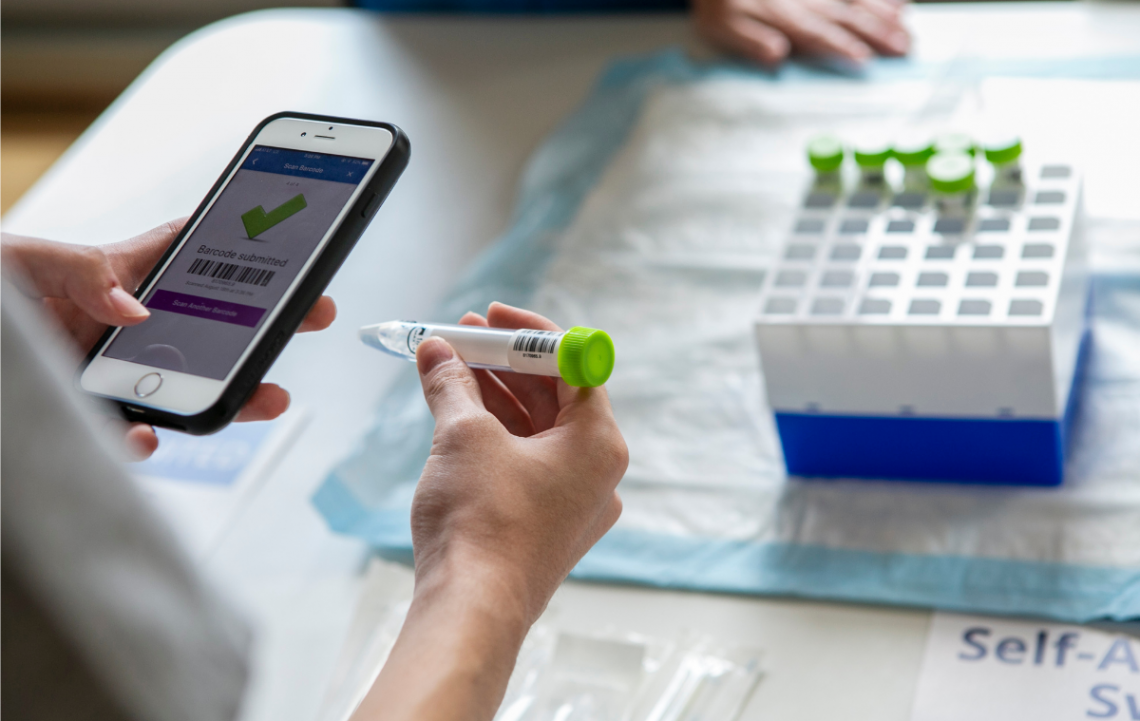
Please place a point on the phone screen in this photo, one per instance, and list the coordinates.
(237, 265)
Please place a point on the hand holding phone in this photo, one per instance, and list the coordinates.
(245, 270)
(86, 289)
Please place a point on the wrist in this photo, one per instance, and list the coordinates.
(456, 650)
(466, 578)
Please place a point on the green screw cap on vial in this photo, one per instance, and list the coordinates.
(913, 152)
(871, 156)
(1000, 151)
(951, 172)
(825, 153)
(585, 357)
(954, 143)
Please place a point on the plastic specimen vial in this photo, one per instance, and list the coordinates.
(954, 143)
(871, 157)
(912, 151)
(583, 357)
(825, 153)
(951, 176)
(1004, 153)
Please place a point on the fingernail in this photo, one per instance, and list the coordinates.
(779, 48)
(432, 352)
(126, 304)
(899, 42)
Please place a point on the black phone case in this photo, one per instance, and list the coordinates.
(265, 352)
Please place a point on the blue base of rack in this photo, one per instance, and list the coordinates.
(964, 450)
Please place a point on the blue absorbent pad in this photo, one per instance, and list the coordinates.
(653, 212)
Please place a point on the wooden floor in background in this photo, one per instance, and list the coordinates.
(30, 142)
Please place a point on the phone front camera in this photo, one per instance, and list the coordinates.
(303, 134)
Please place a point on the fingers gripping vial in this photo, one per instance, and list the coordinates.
(582, 357)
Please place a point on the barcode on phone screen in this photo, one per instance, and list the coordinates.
(231, 271)
(536, 341)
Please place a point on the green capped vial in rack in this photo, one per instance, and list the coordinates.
(825, 153)
(954, 143)
(951, 176)
(1004, 153)
(912, 150)
(871, 157)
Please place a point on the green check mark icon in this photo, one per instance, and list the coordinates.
(257, 221)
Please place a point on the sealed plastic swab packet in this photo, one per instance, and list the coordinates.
(628, 677)
(582, 357)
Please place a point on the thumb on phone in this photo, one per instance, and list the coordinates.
(83, 275)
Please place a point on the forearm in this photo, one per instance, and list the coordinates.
(498, 520)
(455, 653)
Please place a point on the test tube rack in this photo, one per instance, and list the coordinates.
(899, 341)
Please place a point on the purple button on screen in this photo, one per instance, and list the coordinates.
(186, 304)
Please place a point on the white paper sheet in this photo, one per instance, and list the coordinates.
(201, 484)
(989, 669)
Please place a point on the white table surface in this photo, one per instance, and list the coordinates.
(476, 96)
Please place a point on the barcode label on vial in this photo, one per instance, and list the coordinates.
(535, 341)
(535, 351)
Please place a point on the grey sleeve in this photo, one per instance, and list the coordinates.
(92, 555)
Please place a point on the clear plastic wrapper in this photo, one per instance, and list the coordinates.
(610, 677)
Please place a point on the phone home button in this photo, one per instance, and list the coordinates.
(148, 384)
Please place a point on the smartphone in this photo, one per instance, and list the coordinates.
(253, 259)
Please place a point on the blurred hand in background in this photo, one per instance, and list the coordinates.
(768, 31)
